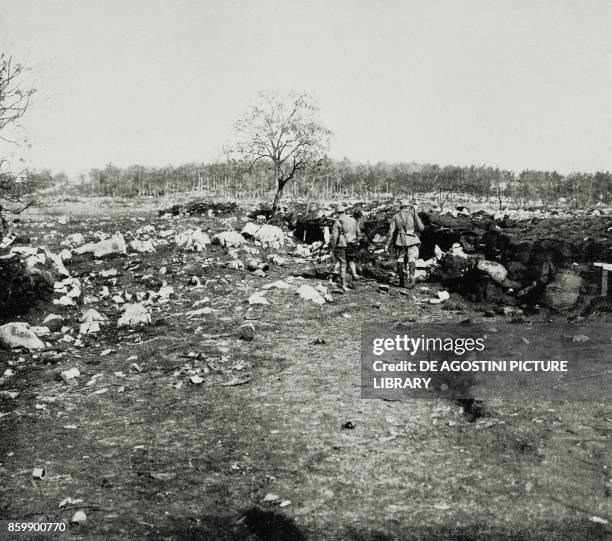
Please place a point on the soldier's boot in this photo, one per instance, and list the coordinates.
(343, 278)
(402, 274)
(353, 269)
(411, 273)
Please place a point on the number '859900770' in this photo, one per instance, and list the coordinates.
(36, 526)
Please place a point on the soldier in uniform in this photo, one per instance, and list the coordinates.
(403, 235)
(345, 238)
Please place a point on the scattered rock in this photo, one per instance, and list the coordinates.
(236, 264)
(114, 245)
(142, 246)
(134, 315)
(67, 376)
(193, 239)
(54, 322)
(229, 239)
(79, 517)
(309, 293)
(258, 298)
(270, 236)
(246, 332)
(39, 473)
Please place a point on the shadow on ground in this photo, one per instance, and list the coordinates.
(261, 525)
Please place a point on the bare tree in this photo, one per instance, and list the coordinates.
(284, 133)
(15, 95)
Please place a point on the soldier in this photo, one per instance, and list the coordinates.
(345, 238)
(405, 226)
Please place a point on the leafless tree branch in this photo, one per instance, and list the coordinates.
(282, 132)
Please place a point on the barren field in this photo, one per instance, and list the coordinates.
(185, 428)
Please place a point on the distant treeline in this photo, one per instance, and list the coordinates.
(346, 179)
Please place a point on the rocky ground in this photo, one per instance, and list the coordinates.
(221, 415)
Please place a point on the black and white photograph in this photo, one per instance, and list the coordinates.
(305, 270)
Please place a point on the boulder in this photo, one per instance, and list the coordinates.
(563, 292)
(250, 230)
(309, 293)
(229, 238)
(192, 239)
(236, 264)
(114, 245)
(134, 315)
(271, 236)
(516, 270)
(258, 298)
(142, 246)
(54, 322)
(19, 334)
(73, 240)
(495, 270)
(89, 327)
(90, 314)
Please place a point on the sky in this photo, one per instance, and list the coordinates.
(513, 84)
